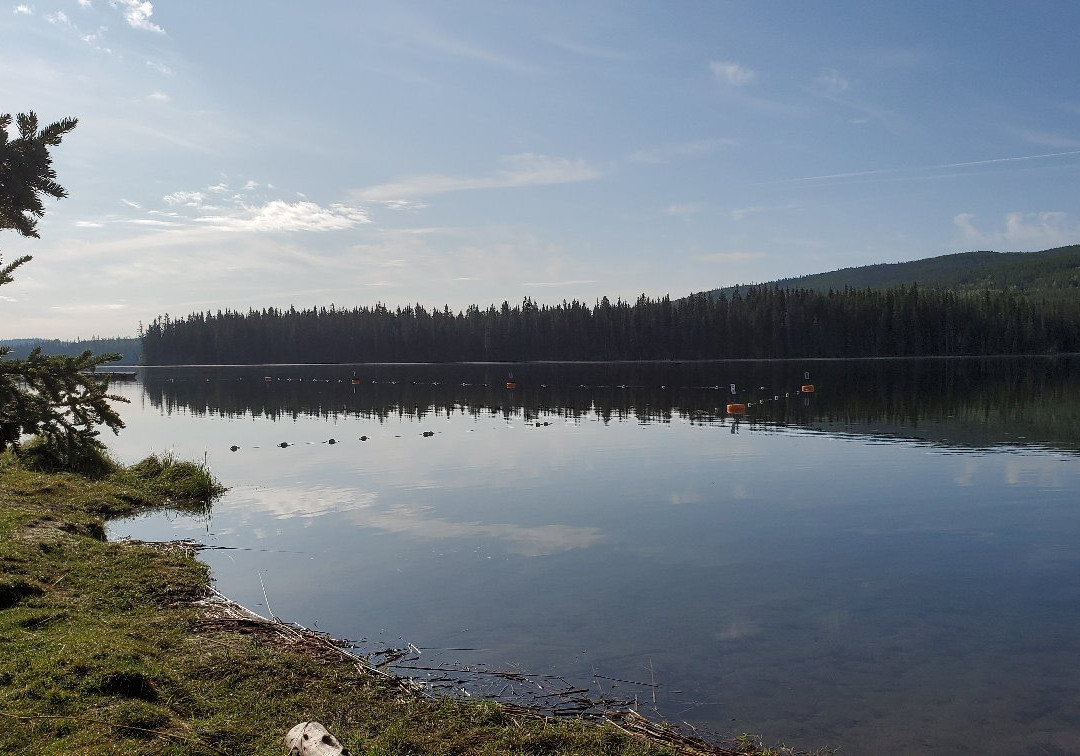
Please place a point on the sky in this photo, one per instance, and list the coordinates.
(243, 154)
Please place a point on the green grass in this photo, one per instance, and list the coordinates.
(103, 648)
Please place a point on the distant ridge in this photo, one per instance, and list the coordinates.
(129, 349)
(1052, 273)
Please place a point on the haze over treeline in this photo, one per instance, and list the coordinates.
(129, 349)
(759, 322)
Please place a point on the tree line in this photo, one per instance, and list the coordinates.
(758, 322)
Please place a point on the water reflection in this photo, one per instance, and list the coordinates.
(962, 402)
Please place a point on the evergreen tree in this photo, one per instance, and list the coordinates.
(56, 398)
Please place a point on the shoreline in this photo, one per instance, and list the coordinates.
(113, 645)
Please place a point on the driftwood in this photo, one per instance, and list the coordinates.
(312, 739)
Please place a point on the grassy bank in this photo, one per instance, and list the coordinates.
(113, 647)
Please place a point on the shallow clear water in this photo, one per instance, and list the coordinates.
(889, 564)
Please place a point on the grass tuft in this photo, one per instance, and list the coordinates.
(167, 477)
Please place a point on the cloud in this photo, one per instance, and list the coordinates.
(137, 14)
(161, 68)
(905, 174)
(587, 51)
(1047, 139)
(59, 19)
(682, 210)
(402, 204)
(85, 4)
(734, 256)
(159, 97)
(221, 208)
(741, 213)
(667, 152)
(732, 73)
(88, 224)
(830, 82)
(1029, 231)
(526, 169)
(283, 216)
(557, 284)
(184, 199)
(89, 308)
(23, 10)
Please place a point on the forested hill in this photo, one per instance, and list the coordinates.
(129, 349)
(1051, 274)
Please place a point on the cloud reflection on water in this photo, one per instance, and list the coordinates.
(361, 509)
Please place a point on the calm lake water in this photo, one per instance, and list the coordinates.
(890, 564)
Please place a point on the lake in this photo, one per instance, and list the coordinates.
(890, 564)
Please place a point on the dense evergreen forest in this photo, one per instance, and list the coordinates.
(758, 322)
(128, 349)
(1050, 274)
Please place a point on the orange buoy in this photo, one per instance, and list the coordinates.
(511, 384)
(356, 381)
(807, 388)
(736, 409)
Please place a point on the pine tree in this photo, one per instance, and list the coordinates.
(57, 399)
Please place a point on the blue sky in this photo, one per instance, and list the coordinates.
(248, 154)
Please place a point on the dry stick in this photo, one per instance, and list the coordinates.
(159, 733)
(652, 678)
(266, 599)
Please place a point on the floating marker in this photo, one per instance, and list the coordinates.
(736, 408)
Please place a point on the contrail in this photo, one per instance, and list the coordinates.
(894, 171)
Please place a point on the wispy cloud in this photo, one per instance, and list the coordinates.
(665, 153)
(899, 174)
(526, 169)
(89, 308)
(733, 256)
(587, 51)
(1048, 139)
(830, 82)
(277, 215)
(735, 74)
(137, 13)
(558, 284)
(684, 210)
(59, 18)
(741, 213)
(23, 10)
(161, 68)
(831, 85)
(1028, 231)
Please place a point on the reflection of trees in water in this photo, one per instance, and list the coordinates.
(964, 401)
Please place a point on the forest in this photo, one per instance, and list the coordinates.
(755, 322)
